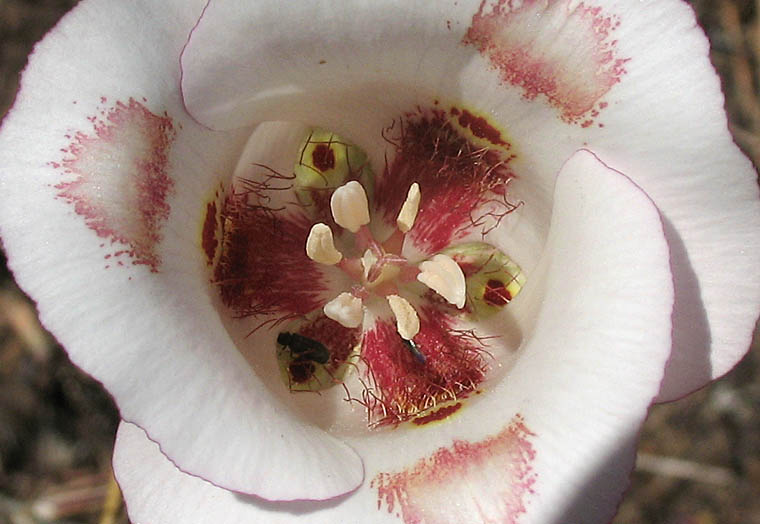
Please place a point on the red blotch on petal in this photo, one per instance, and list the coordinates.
(438, 414)
(263, 268)
(560, 49)
(208, 239)
(120, 183)
(463, 185)
(486, 481)
(402, 386)
(479, 127)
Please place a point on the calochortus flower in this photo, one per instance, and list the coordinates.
(419, 262)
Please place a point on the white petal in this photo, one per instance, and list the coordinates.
(704, 187)
(717, 255)
(665, 127)
(663, 120)
(606, 297)
(445, 277)
(345, 309)
(596, 327)
(225, 89)
(156, 492)
(349, 206)
(153, 338)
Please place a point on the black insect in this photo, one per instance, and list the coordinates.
(304, 348)
(415, 350)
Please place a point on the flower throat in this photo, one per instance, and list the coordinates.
(375, 282)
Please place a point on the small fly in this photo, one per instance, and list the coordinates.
(414, 350)
(304, 348)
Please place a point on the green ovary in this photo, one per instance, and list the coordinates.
(492, 278)
(326, 162)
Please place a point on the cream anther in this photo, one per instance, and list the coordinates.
(407, 321)
(346, 310)
(408, 213)
(320, 247)
(445, 277)
(349, 206)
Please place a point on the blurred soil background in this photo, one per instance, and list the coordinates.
(699, 460)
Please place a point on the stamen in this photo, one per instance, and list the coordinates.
(346, 310)
(320, 247)
(349, 206)
(408, 213)
(407, 321)
(445, 277)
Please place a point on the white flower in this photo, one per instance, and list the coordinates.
(144, 131)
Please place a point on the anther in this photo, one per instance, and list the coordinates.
(349, 206)
(408, 213)
(346, 310)
(445, 277)
(407, 321)
(320, 247)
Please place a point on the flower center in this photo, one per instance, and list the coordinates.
(383, 269)
(373, 283)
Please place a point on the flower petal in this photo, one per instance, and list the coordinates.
(312, 54)
(157, 492)
(557, 76)
(603, 328)
(704, 187)
(99, 145)
(663, 125)
(596, 334)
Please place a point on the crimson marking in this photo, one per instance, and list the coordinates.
(486, 481)
(573, 64)
(121, 185)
